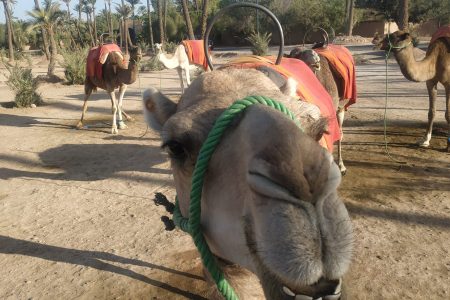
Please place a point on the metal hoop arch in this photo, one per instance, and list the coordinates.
(244, 4)
(324, 35)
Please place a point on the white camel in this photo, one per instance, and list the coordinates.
(178, 60)
(269, 202)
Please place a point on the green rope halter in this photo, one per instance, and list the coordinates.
(192, 224)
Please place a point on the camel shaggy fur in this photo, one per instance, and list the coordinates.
(269, 202)
(434, 68)
(331, 81)
(116, 74)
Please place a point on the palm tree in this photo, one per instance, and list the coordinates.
(67, 2)
(349, 13)
(187, 19)
(133, 3)
(94, 22)
(124, 11)
(110, 25)
(10, 30)
(44, 34)
(47, 18)
(403, 14)
(204, 17)
(88, 11)
(150, 30)
(161, 24)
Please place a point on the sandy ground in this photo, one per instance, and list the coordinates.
(77, 218)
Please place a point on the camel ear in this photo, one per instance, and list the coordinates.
(157, 108)
(290, 88)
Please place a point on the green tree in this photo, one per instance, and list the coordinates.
(9, 30)
(150, 29)
(133, 4)
(187, 19)
(44, 34)
(47, 18)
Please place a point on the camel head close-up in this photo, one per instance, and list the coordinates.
(269, 199)
(396, 41)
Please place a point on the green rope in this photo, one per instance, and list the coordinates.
(192, 224)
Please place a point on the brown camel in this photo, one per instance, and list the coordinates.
(269, 203)
(117, 73)
(434, 68)
(331, 81)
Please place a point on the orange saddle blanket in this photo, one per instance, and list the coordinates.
(443, 31)
(97, 57)
(309, 88)
(195, 52)
(341, 60)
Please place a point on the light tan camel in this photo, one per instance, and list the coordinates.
(331, 81)
(179, 60)
(269, 202)
(116, 74)
(434, 68)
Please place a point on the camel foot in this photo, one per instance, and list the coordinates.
(129, 118)
(121, 125)
(114, 130)
(424, 143)
(79, 125)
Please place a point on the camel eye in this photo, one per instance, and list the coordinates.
(175, 150)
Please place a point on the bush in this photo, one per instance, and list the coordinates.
(260, 43)
(74, 65)
(21, 81)
(153, 64)
(169, 47)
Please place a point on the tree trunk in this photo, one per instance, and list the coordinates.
(350, 6)
(13, 35)
(80, 3)
(53, 54)
(44, 34)
(95, 24)
(187, 19)
(125, 30)
(9, 31)
(88, 25)
(68, 10)
(403, 14)
(110, 21)
(150, 29)
(204, 17)
(161, 26)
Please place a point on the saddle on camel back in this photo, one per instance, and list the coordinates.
(442, 32)
(309, 88)
(97, 56)
(341, 60)
(195, 53)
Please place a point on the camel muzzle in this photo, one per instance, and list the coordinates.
(322, 290)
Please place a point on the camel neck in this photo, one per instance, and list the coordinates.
(414, 70)
(128, 76)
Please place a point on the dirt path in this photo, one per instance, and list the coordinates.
(77, 218)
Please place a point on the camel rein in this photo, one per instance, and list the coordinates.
(388, 53)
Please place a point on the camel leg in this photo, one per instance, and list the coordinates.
(340, 117)
(122, 89)
(87, 94)
(180, 74)
(447, 113)
(112, 95)
(188, 75)
(432, 93)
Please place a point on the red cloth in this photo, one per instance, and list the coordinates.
(309, 88)
(341, 60)
(443, 31)
(195, 52)
(95, 57)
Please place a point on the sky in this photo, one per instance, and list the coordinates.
(22, 6)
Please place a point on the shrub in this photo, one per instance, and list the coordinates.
(21, 81)
(74, 65)
(260, 43)
(153, 64)
(169, 47)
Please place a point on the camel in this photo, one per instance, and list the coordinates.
(331, 81)
(434, 68)
(179, 61)
(117, 73)
(270, 210)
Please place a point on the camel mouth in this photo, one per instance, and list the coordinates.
(322, 289)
